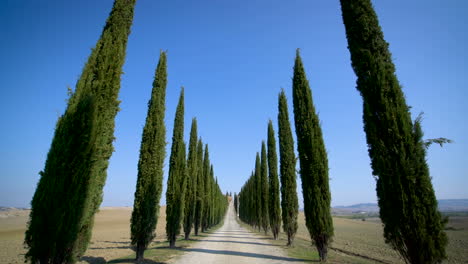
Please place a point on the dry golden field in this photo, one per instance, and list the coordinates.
(111, 237)
(366, 238)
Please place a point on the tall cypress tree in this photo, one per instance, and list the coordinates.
(274, 196)
(289, 202)
(258, 192)
(200, 189)
(206, 190)
(150, 166)
(408, 206)
(236, 203)
(191, 190)
(212, 197)
(59, 230)
(313, 162)
(177, 180)
(264, 188)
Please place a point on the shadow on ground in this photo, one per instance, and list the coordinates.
(230, 241)
(93, 260)
(243, 254)
(110, 247)
(261, 238)
(146, 261)
(116, 242)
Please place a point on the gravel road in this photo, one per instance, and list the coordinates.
(234, 244)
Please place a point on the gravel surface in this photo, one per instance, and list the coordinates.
(233, 244)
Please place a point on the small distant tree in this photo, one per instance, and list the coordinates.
(274, 195)
(150, 166)
(289, 202)
(264, 188)
(313, 162)
(191, 189)
(258, 194)
(177, 180)
(207, 190)
(408, 207)
(236, 203)
(200, 189)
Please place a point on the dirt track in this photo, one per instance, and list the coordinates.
(234, 244)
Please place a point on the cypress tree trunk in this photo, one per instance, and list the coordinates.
(200, 188)
(177, 180)
(313, 163)
(191, 192)
(274, 198)
(264, 188)
(150, 166)
(59, 230)
(408, 206)
(289, 202)
(206, 190)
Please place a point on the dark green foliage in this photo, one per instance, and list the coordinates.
(274, 196)
(212, 199)
(191, 190)
(408, 206)
(289, 202)
(248, 201)
(264, 188)
(236, 203)
(313, 163)
(76, 166)
(258, 192)
(200, 188)
(69, 191)
(177, 180)
(207, 190)
(212, 202)
(150, 166)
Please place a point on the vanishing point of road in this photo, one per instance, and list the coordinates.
(234, 244)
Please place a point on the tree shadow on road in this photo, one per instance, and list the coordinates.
(125, 247)
(252, 237)
(93, 260)
(243, 254)
(145, 261)
(231, 241)
(116, 242)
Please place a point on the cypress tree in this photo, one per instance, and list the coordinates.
(258, 192)
(191, 190)
(274, 196)
(313, 163)
(200, 189)
(264, 188)
(59, 230)
(236, 204)
(408, 206)
(177, 180)
(206, 190)
(150, 166)
(212, 197)
(289, 202)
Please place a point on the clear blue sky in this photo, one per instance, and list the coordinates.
(233, 57)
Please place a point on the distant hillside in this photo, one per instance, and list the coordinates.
(446, 205)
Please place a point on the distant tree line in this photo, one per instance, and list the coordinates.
(256, 208)
(69, 191)
(413, 226)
